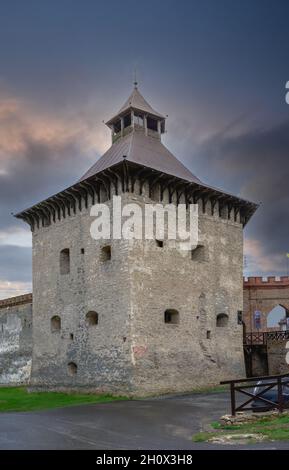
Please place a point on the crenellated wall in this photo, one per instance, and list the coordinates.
(266, 282)
(263, 294)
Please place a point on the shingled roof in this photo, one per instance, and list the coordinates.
(136, 149)
(145, 150)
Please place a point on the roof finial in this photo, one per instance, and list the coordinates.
(135, 80)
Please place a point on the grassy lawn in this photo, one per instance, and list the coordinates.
(18, 399)
(274, 428)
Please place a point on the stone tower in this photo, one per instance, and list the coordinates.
(136, 317)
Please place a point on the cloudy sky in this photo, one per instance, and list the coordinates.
(217, 68)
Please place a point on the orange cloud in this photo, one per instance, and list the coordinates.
(21, 123)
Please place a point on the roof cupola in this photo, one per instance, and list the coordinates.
(136, 115)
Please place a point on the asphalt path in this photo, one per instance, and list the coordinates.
(158, 423)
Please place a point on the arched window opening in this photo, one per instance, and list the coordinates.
(91, 318)
(172, 316)
(222, 320)
(55, 324)
(65, 261)
(72, 368)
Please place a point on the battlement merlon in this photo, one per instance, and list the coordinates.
(263, 282)
(17, 300)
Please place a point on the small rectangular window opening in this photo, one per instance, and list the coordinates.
(127, 120)
(240, 317)
(64, 261)
(152, 124)
(172, 316)
(117, 126)
(106, 253)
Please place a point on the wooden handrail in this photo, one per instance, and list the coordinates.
(267, 384)
(274, 380)
(254, 379)
(261, 337)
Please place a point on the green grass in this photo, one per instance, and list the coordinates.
(19, 399)
(271, 427)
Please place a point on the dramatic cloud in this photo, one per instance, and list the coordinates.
(40, 154)
(256, 165)
(206, 64)
(258, 261)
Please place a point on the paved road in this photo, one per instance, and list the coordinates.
(166, 423)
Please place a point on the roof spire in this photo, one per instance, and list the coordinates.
(135, 79)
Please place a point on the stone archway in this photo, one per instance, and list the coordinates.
(262, 295)
(278, 318)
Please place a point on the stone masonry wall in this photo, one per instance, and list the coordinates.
(277, 357)
(101, 352)
(131, 350)
(15, 340)
(195, 352)
(260, 366)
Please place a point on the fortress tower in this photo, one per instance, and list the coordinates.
(136, 317)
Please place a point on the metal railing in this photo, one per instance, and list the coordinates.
(243, 386)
